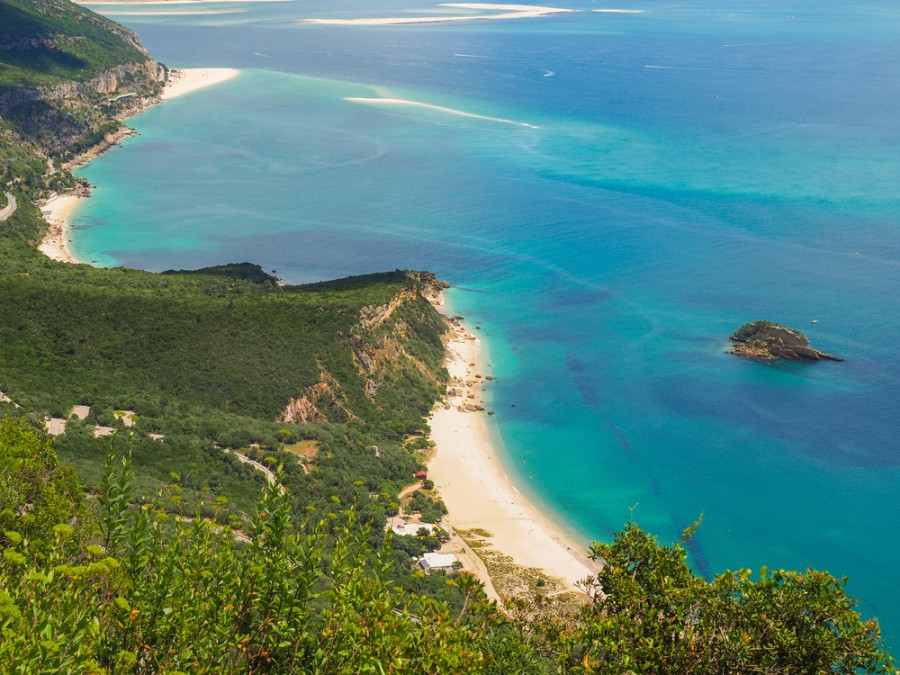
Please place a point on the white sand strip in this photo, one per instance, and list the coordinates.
(429, 106)
(479, 494)
(170, 12)
(57, 212)
(186, 80)
(504, 12)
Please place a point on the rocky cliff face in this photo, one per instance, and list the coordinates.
(57, 119)
(767, 340)
(65, 64)
(386, 348)
(375, 351)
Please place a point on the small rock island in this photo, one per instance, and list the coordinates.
(767, 340)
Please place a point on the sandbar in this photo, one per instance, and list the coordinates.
(186, 80)
(429, 106)
(59, 208)
(504, 12)
(475, 486)
(173, 12)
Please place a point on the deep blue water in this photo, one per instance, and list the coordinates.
(694, 167)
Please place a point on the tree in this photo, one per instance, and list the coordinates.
(651, 613)
(36, 493)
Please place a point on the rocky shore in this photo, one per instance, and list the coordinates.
(767, 341)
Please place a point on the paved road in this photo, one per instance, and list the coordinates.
(9, 209)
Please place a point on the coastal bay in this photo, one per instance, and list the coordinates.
(607, 254)
(59, 209)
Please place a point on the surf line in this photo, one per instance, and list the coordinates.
(429, 106)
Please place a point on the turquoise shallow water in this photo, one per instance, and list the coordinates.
(693, 167)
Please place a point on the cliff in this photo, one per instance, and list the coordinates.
(394, 345)
(67, 76)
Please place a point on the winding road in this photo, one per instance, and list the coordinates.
(9, 209)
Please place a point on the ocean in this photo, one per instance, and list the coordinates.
(622, 192)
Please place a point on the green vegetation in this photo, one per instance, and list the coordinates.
(60, 64)
(149, 594)
(655, 615)
(430, 509)
(53, 41)
(210, 360)
(123, 589)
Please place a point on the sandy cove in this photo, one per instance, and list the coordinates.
(474, 485)
(60, 208)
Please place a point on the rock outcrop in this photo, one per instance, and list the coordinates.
(766, 340)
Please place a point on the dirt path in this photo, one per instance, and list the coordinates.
(270, 477)
(408, 490)
(9, 209)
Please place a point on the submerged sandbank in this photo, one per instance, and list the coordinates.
(476, 488)
(59, 208)
(503, 12)
(437, 108)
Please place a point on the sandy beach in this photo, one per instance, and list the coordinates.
(503, 12)
(475, 487)
(56, 212)
(186, 80)
(59, 209)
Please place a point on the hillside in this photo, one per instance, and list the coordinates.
(60, 67)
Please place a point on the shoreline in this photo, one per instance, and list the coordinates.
(473, 483)
(59, 208)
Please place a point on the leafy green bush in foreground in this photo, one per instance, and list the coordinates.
(126, 589)
(152, 594)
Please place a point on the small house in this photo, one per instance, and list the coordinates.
(438, 561)
(421, 475)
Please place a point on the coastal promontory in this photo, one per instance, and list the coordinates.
(766, 340)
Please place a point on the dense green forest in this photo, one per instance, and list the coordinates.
(142, 538)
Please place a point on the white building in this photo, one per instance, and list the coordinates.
(438, 561)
